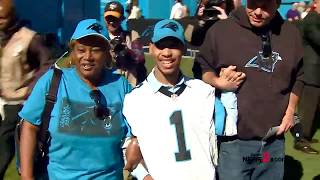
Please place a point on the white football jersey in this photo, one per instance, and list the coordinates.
(176, 135)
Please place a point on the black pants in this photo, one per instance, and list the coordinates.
(7, 145)
(309, 110)
(296, 130)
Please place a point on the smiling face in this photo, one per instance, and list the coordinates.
(261, 12)
(90, 55)
(167, 54)
(113, 24)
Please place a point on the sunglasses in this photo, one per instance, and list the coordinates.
(112, 19)
(101, 111)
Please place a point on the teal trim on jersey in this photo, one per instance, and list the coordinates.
(219, 117)
(156, 85)
(82, 146)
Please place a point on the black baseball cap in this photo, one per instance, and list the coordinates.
(114, 8)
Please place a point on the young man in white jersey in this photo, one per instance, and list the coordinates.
(171, 114)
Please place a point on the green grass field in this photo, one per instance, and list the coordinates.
(297, 164)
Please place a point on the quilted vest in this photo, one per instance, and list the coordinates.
(15, 72)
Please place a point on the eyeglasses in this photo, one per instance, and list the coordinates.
(101, 111)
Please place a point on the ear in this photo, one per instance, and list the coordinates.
(151, 48)
(71, 59)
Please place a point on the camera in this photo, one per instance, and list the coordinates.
(122, 53)
(210, 13)
(118, 46)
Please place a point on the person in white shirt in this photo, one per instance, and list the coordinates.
(135, 12)
(178, 10)
(171, 115)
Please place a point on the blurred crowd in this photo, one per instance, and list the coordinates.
(299, 10)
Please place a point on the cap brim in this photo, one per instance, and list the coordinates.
(112, 13)
(157, 39)
(90, 34)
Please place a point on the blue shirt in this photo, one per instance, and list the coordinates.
(82, 146)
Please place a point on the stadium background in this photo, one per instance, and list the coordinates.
(61, 16)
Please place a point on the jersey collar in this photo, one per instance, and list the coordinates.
(156, 85)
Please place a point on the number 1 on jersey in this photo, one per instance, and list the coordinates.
(183, 154)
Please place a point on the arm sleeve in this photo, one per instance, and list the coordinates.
(173, 11)
(127, 110)
(298, 73)
(39, 52)
(311, 30)
(33, 107)
(38, 57)
(199, 33)
(207, 57)
(140, 172)
(127, 90)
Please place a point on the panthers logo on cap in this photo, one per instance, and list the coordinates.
(113, 6)
(96, 27)
(171, 25)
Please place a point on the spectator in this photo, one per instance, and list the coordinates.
(176, 133)
(135, 12)
(178, 10)
(308, 8)
(86, 123)
(237, 3)
(51, 41)
(310, 97)
(206, 20)
(127, 53)
(23, 58)
(222, 8)
(293, 13)
(301, 7)
(255, 40)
